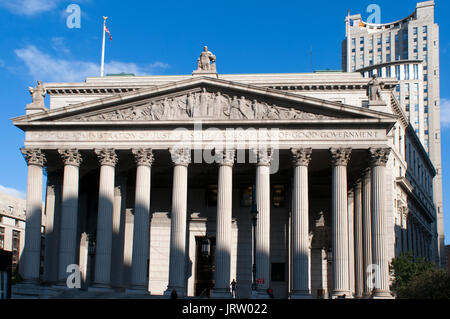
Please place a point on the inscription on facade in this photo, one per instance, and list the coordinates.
(205, 135)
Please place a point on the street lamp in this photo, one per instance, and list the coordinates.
(254, 213)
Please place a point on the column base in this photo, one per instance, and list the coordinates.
(300, 295)
(221, 294)
(137, 291)
(32, 291)
(381, 295)
(260, 294)
(101, 288)
(341, 295)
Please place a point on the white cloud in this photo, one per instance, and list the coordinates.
(43, 66)
(12, 192)
(445, 113)
(29, 7)
(59, 45)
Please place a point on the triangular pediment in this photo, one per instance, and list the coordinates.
(204, 99)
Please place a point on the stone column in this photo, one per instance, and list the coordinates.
(52, 227)
(31, 255)
(224, 224)
(367, 230)
(409, 233)
(339, 161)
(108, 161)
(262, 254)
(351, 242)
(68, 252)
(359, 255)
(141, 233)
(300, 225)
(120, 200)
(177, 278)
(378, 160)
(404, 230)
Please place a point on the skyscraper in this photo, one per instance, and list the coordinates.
(408, 50)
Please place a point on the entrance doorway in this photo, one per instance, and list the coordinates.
(205, 266)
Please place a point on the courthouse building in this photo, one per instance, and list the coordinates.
(153, 183)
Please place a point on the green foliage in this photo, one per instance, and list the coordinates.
(16, 277)
(429, 285)
(418, 279)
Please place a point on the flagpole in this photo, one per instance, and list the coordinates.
(102, 68)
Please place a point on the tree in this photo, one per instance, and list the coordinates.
(418, 279)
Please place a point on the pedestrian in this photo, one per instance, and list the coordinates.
(270, 293)
(233, 289)
(174, 294)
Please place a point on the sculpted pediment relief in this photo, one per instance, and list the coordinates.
(202, 105)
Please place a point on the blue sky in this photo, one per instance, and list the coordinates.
(166, 37)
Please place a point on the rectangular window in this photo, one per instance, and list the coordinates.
(425, 29)
(397, 72)
(278, 196)
(353, 42)
(2, 238)
(415, 30)
(15, 248)
(406, 69)
(388, 72)
(416, 109)
(361, 40)
(247, 196)
(416, 71)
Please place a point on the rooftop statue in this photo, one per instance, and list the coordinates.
(206, 62)
(374, 89)
(38, 94)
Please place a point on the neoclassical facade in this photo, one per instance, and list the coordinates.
(153, 182)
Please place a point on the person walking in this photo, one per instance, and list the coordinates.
(233, 289)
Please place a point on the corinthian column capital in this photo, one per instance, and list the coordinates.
(264, 156)
(180, 156)
(107, 157)
(71, 157)
(340, 156)
(225, 157)
(143, 157)
(301, 156)
(379, 156)
(33, 156)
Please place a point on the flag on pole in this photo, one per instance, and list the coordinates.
(107, 31)
(350, 20)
